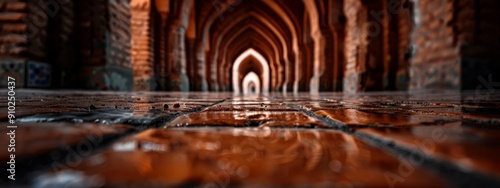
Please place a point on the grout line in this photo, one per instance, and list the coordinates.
(41, 163)
(451, 172)
(171, 118)
(454, 174)
(329, 122)
(31, 166)
(334, 124)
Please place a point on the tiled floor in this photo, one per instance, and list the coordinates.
(94, 139)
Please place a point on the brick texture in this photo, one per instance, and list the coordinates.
(448, 34)
(142, 48)
(436, 47)
(105, 39)
(119, 33)
(354, 43)
(23, 29)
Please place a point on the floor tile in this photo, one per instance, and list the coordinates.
(241, 157)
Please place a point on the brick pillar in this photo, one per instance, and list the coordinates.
(479, 44)
(405, 23)
(339, 56)
(23, 43)
(337, 28)
(436, 63)
(63, 45)
(177, 79)
(399, 29)
(142, 47)
(327, 79)
(354, 43)
(367, 45)
(456, 45)
(105, 41)
(306, 73)
(162, 8)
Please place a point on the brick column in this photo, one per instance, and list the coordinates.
(354, 43)
(367, 45)
(456, 45)
(479, 44)
(405, 21)
(105, 45)
(62, 45)
(337, 28)
(162, 13)
(177, 79)
(327, 80)
(142, 47)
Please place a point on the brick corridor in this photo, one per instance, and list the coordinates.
(217, 140)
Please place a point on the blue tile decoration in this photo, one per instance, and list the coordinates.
(39, 74)
(14, 68)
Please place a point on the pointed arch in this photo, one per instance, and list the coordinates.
(261, 60)
(251, 79)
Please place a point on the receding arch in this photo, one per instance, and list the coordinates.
(207, 22)
(295, 43)
(250, 81)
(319, 45)
(237, 49)
(261, 60)
(203, 32)
(276, 67)
(259, 22)
(275, 63)
(273, 50)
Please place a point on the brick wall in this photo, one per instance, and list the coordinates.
(12, 40)
(366, 45)
(436, 62)
(119, 35)
(142, 48)
(456, 42)
(23, 43)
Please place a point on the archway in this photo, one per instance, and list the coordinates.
(251, 84)
(265, 70)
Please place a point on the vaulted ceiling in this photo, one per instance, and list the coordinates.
(217, 32)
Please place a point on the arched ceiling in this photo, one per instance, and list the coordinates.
(268, 26)
(287, 33)
(250, 64)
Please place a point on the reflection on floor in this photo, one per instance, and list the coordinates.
(76, 138)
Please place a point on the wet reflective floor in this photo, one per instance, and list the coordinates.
(152, 139)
